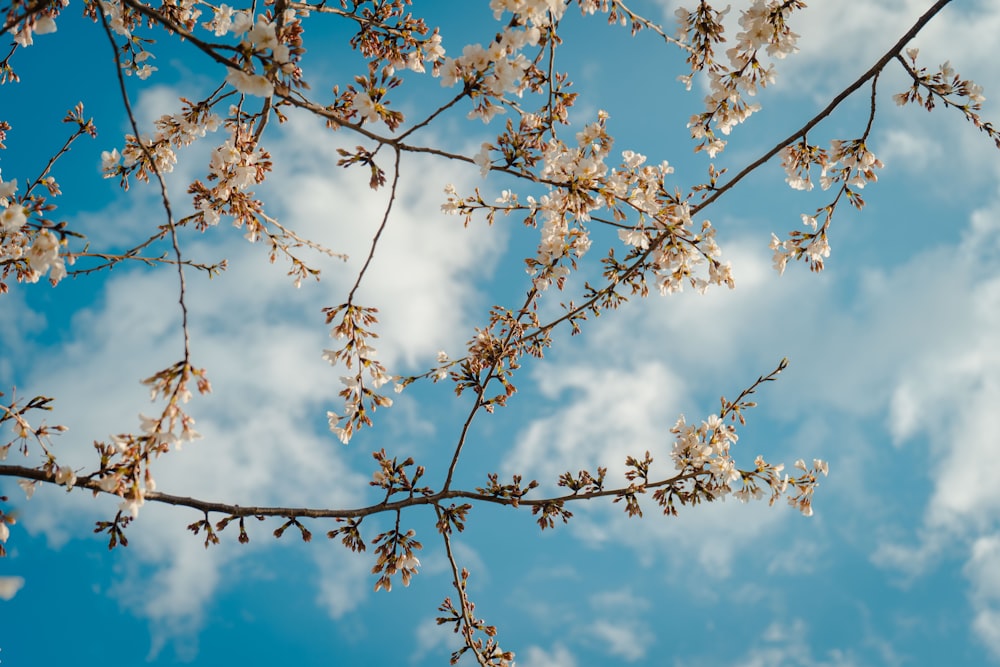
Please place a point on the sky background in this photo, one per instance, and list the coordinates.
(894, 378)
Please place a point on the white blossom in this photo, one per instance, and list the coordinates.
(249, 84)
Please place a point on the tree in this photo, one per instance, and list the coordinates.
(548, 167)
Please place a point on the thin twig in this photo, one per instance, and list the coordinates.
(381, 227)
(163, 192)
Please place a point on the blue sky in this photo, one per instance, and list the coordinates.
(894, 378)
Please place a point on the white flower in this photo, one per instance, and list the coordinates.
(109, 161)
(109, 483)
(4, 532)
(65, 475)
(818, 248)
(249, 84)
(281, 53)
(241, 22)
(132, 506)
(634, 237)
(408, 562)
(482, 159)
(975, 93)
(120, 443)
(262, 35)
(149, 425)
(343, 434)
(28, 486)
(145, 71)
(781, 254)
(44, 25)
(44, 254)
(222, 20)
(12, 218)
(365, 106)
(7, 190)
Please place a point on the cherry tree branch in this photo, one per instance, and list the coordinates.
(91, 483)
(872, 72)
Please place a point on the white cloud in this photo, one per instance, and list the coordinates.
(620, 626)
(606, 414)
(17, 325)
(983, 572)
(536, 656)
(802, 556)
(432, 637)
(786, 645)
(709, 535)
(343, 580)
(950, 387)
(619, 601)
(260, 444)
(9, 586)
(626, 640)
(467, 556)
(906, 149)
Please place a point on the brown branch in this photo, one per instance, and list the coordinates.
(458, 583)
(110, 261)
(381, 228)
(80, 131)
(90, 483)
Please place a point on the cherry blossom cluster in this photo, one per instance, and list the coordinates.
(582, 184)
(479, 637)
(360, 394)
(849, 164)
(26, 438)
(498, 69)
(27, 250)
(396, 548)
(126, 458)
(234, 167)
(157, 153)
(32, 244)
(32, 22)
(706, 447)
(948, 88)
(941, 85)
(765, 27)
(276, 43)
